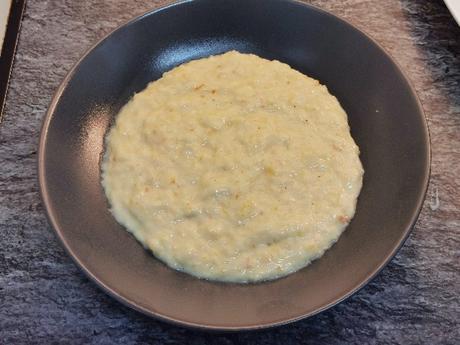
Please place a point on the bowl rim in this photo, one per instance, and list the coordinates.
(45, 195)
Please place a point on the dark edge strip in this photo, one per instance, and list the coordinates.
(9, 49)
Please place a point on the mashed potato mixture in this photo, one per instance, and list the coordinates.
(233, 168)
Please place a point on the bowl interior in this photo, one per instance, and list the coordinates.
(385, 118)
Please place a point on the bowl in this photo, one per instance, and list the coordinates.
(385, 117)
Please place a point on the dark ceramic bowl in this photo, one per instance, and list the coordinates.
(386, 121)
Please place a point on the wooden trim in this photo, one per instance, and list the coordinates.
(9, 48)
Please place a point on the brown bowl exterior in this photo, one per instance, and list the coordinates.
(386, 121)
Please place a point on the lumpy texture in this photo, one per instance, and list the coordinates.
(233, 168)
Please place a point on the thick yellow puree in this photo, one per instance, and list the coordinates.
(233, 168)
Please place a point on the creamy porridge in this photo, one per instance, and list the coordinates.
(233, 168)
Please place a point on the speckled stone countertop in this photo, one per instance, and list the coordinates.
(45, 299)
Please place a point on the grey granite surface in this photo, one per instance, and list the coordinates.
(45, 299)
